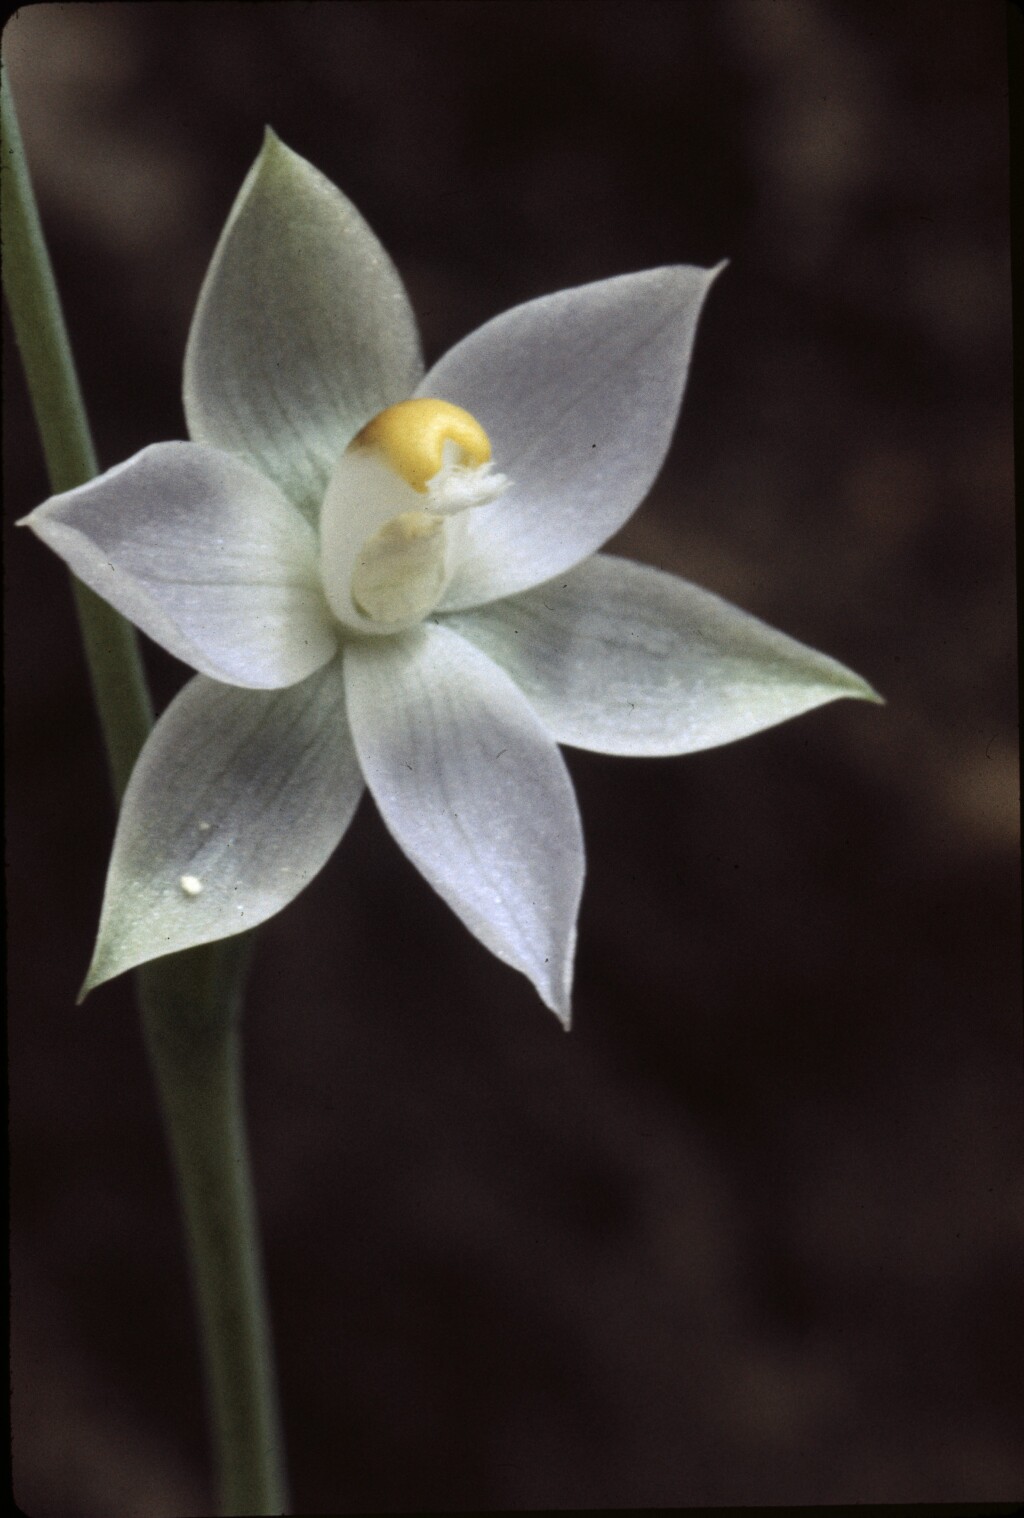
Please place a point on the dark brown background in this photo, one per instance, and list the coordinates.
(748, 1234)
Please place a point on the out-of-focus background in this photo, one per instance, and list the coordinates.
(748, 1235)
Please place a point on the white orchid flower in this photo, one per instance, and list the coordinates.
(367, 599)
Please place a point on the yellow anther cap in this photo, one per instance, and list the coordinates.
(411, 437)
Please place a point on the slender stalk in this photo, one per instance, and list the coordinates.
(190, 1002)
(194, 1051)
(111, 649)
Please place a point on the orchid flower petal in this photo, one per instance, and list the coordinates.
(205, 556)
(476, 794)
(302, 332)
(238, 799)
(624, 659)
(579, 394)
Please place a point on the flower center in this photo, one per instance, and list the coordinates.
(390, 525)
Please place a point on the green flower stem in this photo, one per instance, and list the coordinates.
(111, 649)
(194, 1051)
(190, 1002)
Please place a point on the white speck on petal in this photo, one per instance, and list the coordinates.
(191, 885)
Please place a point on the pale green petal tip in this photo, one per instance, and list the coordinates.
(848, 683)
(276, 154)
(563, 1011)
(94, 977)
(103, 967)
(273, 155)
(834, 679)
(272, 147)
(557, 996)
(557, 999)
